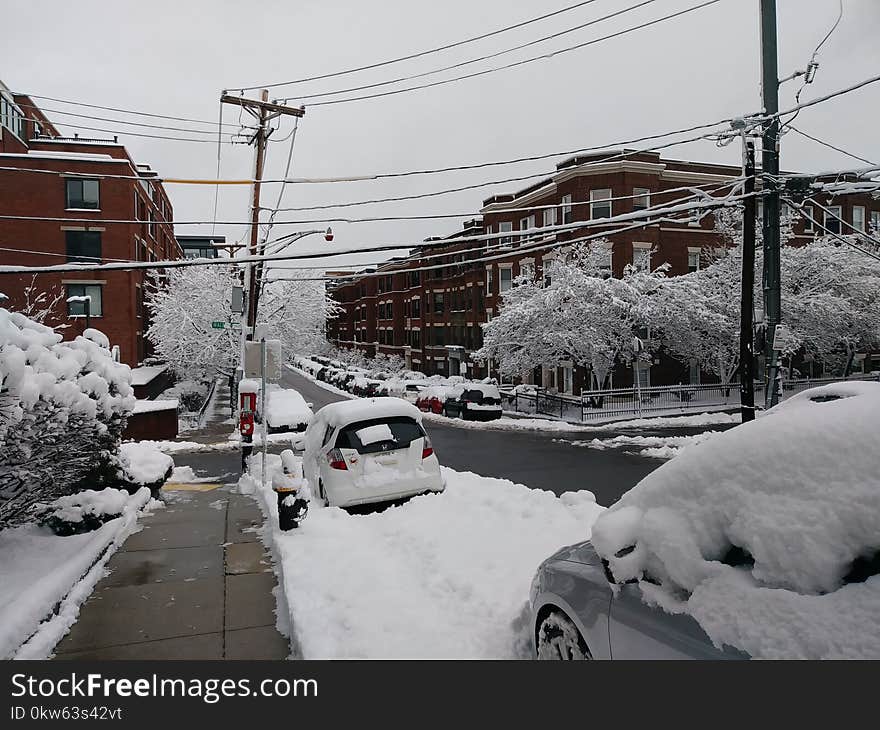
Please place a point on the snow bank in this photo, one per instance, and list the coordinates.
(441, 576)
(143, 463)
(41, 571)
(146, 373)
(798, 493)
(658, 447)
(75, 507)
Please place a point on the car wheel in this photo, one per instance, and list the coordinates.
(322, 494)
(559, 639)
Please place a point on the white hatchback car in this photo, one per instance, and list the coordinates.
(368, 450)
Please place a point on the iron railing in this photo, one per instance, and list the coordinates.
(617, 403)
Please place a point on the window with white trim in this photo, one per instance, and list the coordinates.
(505, 227)
(524, 225)
(78, 309)
(693, 259)
(600, 203)
(859, 217)
(875, 221)
(642, 256)
(809, 215)
(641, 198)
(549, 217)
(489, 279)
(833, 214)
(505, 278)
(566, 208)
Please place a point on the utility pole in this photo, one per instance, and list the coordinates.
(263, 111)
(746, 335)
(769, 178)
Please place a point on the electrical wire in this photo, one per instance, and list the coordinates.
(117, 121)
(462, 64)
(800, 207)
(829, 145)
(114, 109)
(523, 62)
(126, 133)
(653, 214)
(419, 54)
(219, 148)
(860, 233)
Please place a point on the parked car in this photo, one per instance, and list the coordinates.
(474, 402)
(432, 398)
(368, 450)
(365, 387)
(286, 410)
(764, 536)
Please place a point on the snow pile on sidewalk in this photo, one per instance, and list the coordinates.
(658, 447)
(441, 576)
(144, 464)
(768, 534)
(45, 578)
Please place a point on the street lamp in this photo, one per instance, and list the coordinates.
(84, 299)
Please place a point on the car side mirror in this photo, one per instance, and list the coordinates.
(298, 443)
(609, 576)
(310, 405)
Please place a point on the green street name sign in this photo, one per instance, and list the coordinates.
(218, 325)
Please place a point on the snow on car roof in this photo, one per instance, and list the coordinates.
(798, 492)
(350, 411)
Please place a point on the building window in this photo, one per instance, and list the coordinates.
(641, 198)
(505, 227)
(505, 278)
(600, 203)
(438, 302)
(549, 217)
(832, 218)
(693, 260)
(809, 216)
(83, 246)
(82, 194)
(566, 208)
(489, 280)
(417, 307)
(859, 217)
(875, 221)
(642, 256)
(524, 225)
(78, 309)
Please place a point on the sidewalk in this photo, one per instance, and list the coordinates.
(195, 583)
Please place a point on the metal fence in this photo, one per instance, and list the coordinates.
(609, 405)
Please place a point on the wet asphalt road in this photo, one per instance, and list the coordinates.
(538, 460)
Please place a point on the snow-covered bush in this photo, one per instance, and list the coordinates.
(82, 512)
(63, 406)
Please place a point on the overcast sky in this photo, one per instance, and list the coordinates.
(174, 57)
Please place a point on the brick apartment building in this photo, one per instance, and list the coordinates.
(70, 193)
(434, 317)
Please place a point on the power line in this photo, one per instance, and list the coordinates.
(118, 121)
(515, 64)
(114, 109)
(486, 57)
(411, 56)
(140, 134)
(849, 225)
(654, 213)
(801, 208)
(829, 145)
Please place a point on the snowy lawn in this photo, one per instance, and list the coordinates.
(440, 576)
(46, 578)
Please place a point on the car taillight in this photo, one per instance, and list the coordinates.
(427, 448)
(336, 460)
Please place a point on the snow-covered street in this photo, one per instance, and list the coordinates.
(440, 576)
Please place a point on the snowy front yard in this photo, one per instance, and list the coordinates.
(441, 576)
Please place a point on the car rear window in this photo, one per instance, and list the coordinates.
(403, 430)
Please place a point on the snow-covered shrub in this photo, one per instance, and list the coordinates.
(63, 406)
(82, 512)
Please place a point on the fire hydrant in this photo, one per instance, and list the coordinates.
(292, 490)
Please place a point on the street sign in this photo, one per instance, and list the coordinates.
(783, 338)
(218, 325)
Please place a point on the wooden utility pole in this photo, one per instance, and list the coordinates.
(746, 335)
(263, 111)
(769, 180)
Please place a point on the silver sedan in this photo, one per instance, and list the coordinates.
(579, 612)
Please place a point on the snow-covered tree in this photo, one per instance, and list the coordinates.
(41, 304)
(581, 314)
(183, 303)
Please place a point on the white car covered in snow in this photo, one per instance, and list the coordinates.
(368, 450)
(286, 410)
